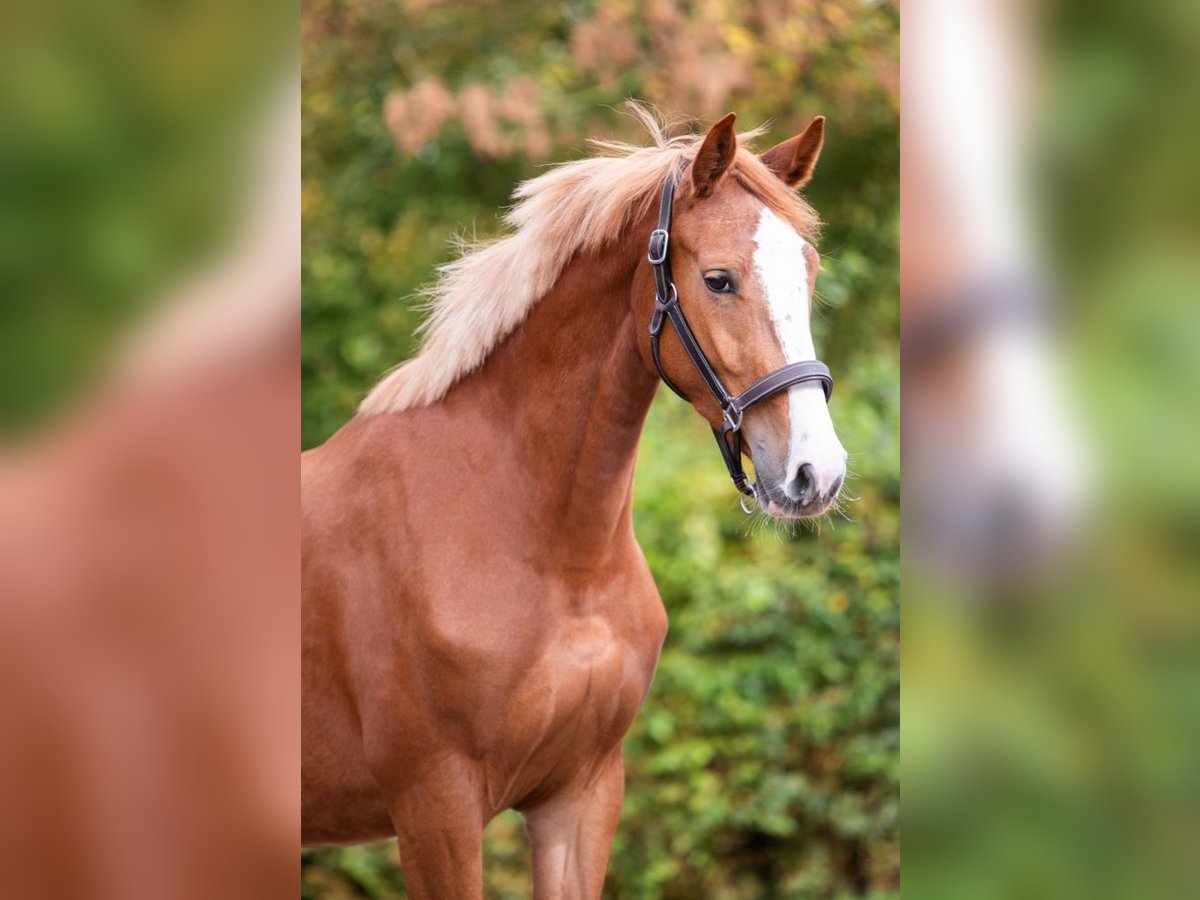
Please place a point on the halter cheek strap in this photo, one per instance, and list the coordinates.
(733, 407)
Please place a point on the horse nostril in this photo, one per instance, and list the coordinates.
(803, 488)
(837, 486)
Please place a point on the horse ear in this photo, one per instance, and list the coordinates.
(794, 159)
(715, 155)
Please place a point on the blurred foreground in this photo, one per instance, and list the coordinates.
(148, 405)
(1051, 340)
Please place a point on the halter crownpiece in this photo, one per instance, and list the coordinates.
(733, 407)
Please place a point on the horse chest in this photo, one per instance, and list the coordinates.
(589, 680)
(535, 681)
(575, 702)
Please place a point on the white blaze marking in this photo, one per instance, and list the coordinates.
(779, 263)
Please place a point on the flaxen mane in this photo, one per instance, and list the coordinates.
(575, 207)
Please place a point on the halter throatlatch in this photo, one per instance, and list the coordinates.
(733, 408)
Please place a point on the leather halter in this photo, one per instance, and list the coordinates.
(733, 407)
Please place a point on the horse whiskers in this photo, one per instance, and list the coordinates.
(752, 523)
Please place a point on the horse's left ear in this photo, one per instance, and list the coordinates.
(794, 159)
(714, 156)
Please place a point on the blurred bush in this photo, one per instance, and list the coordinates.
(765, 763)
(121, 164)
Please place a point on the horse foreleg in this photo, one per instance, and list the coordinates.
(439, 824)
(572, 835)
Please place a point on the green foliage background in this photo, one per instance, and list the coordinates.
(765, 762)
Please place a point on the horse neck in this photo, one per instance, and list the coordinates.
(571, 388)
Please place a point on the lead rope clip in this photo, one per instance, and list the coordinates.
(749, 502)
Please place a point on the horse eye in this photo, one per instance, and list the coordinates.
(719, 283)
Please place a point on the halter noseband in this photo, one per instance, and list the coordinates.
(733, 408)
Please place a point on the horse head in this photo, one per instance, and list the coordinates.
(742, 276)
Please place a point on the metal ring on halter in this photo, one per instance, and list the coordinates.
(732, 424)
(752, 498)
(668, 300)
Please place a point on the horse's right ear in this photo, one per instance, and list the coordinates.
(715, 155)
(795, 158)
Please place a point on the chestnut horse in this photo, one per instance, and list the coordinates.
(480, 626)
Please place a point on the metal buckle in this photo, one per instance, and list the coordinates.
(657, 259)
(732, 424)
